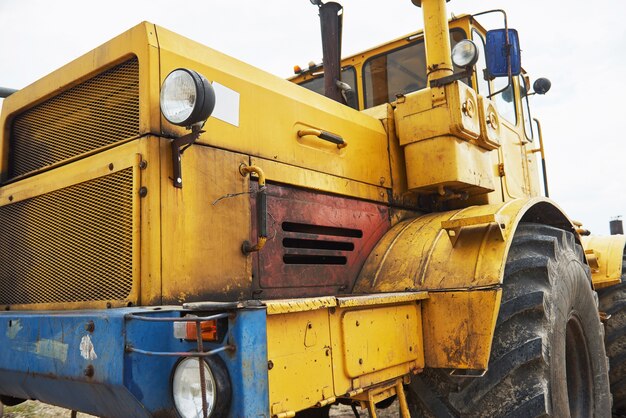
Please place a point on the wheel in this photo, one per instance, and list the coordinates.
(613, 303)
(547, 356)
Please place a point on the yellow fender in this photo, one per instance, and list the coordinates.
(606, 259)
(458, 257)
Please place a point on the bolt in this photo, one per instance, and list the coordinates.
(90, 326)
(310, 325)
(360, 361)
(179, 180)
(89, 371)
(270, 365)
(111, 167)
(410, 348)
(327, 352)
(357, 323)
(143, 191)
(10, 198)
(143, 164)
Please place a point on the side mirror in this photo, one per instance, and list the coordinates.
(497, 52)
(542, 85)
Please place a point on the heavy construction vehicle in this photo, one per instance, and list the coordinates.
(184, 235)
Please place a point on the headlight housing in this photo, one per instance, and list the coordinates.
(187, 97)
(465, 54)
(187, 389)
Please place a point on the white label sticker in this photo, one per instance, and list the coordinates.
(87, 350)
(226, 104)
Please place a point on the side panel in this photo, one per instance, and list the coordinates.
(204, 224)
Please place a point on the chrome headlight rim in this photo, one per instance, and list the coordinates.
(465, 54)
(218, 373)
(203, 97)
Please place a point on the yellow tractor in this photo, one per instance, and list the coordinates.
(184, 235)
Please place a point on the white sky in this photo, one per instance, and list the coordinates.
(579, 45)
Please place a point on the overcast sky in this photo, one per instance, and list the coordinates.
(579, 45)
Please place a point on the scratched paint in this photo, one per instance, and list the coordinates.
(87, 350)
(14, 328)
(51, 349)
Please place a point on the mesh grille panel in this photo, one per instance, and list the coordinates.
(70, 245)
(99, 112)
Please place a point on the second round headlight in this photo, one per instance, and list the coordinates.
(465, 54)
(186, 388)
(186, 98)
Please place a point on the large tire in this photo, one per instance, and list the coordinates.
(547, 357)
(613, 303)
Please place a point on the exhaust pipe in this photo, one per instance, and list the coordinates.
(6, 92)
(331, 18)
(616, 226)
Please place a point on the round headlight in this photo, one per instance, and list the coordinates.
(187, 97)
(187, 388)
(465, 54)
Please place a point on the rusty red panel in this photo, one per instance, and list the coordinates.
(317, 242)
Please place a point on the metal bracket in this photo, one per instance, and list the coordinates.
(455, 226)
(184, 141)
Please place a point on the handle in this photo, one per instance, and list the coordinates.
(324, 135)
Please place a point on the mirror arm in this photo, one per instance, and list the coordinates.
(443, 81)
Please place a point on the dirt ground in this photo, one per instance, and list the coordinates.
(34, 409)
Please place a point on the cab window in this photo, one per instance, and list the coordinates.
(481, 84)
(400, 71)
(348, 75)
(524, 89)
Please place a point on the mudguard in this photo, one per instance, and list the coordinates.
(458, 257)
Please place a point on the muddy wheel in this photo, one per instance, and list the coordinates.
(613, 303)
(548, 356)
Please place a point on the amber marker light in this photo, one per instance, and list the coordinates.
(187, 330)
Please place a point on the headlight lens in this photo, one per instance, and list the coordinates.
(465, 54)
(187, 97)
(187, 389)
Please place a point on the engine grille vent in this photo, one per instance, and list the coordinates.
(320, 244)
(70, 245)
(98, 112)
(316, 242)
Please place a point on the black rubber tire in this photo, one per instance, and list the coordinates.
(548, 342)
(613, 303)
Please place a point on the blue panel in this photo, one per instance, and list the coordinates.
(78, 360)
(54, 357)
(248, 365)
(495, 51)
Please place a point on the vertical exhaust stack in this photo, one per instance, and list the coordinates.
(616, 226)
(331, 17)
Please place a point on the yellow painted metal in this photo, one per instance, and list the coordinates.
(139, 41)
(209, 215)
(418, 253)
(299, 350)
(284, 306)
(448, 162)
(458, 328)
(97, 166)
(271, 111)
(340, 346)
(297, 176)
(438, 111)
(378, 338)
(437, 38)
(605, 255)
(379, 299)
(443, 125)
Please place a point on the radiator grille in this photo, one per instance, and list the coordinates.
(101, 111)
(70, 245)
